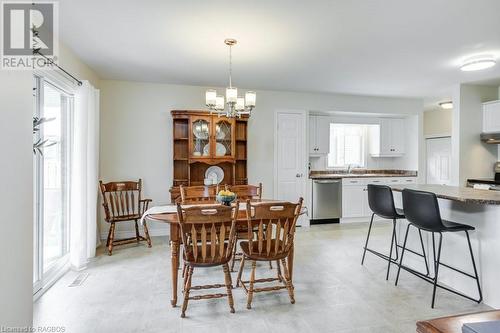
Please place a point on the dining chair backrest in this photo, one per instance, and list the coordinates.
(121, 199)
(192, 194)
(208, 232)
(271, 227)
(244, 192)
(422, 209)
(381, 201)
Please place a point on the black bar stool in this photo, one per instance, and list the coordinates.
(422, 211)
(381, 202)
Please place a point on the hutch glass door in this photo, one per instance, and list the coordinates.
(223, 132)
(200, 131)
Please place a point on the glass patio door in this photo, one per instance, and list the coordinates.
(53, 107)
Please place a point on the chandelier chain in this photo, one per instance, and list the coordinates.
(230, 66)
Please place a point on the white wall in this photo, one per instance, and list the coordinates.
(471, 158)
(71, 63)
(438, 122)
(136, 128)
(16, 198)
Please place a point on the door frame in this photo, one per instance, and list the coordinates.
(44, 280)
(305, 138)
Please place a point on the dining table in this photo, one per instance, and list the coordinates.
(168, 214)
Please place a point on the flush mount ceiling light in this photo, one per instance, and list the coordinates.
(477, 63)
(446, 105)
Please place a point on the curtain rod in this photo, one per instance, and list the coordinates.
(51, 62)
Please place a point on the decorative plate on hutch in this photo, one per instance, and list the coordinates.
(216, 171)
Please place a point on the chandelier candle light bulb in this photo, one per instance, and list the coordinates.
(250, 98)
(240, 104)
(219, 103)
(211, 97)
(231, 94)
(236, 106)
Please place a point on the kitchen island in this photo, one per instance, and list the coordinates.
(478, 208)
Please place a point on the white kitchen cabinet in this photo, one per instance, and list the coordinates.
(491, 117)
(319, 135)
(353, 201)
(355, 206)
(388, 139)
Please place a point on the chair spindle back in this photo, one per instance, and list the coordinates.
(193, 194)
(208, 232)
(245, 192)
(121, 199)
(271, 227)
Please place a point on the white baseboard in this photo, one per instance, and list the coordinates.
(359, 219)
(119, 234)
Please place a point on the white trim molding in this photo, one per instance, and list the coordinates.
(437, 136)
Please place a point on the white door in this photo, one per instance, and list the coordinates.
(439, 161)
(291, 155)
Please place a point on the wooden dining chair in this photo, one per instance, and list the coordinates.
(122, 202)
(193, 194)
(243, 192)
(208, 235)
(273, 241)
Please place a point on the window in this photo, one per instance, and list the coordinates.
(347, 145)
(51, 171)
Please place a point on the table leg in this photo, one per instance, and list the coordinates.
(290, 262)
(174, 248)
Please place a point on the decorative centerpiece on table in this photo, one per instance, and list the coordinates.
(225, 197)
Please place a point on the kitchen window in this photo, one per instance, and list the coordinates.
(347, 145)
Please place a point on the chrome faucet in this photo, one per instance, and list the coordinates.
(349, 168)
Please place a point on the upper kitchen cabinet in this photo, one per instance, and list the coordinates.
(319, 135)
(491, 117)
(388, 139)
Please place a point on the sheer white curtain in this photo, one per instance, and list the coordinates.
(84, 176)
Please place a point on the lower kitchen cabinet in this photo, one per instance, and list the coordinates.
(355, 201)
(355, 207)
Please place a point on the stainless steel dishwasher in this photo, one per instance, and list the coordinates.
(326, 200)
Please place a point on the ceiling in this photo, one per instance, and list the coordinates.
(377, 47)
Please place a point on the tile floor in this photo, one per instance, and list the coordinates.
(130, 292)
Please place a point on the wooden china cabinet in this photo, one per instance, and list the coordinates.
(202, 140)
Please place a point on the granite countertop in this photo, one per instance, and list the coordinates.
(455, 193)
(361, 174)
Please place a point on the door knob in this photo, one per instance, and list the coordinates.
(298, 175)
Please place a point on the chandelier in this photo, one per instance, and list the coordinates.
(236, 106)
